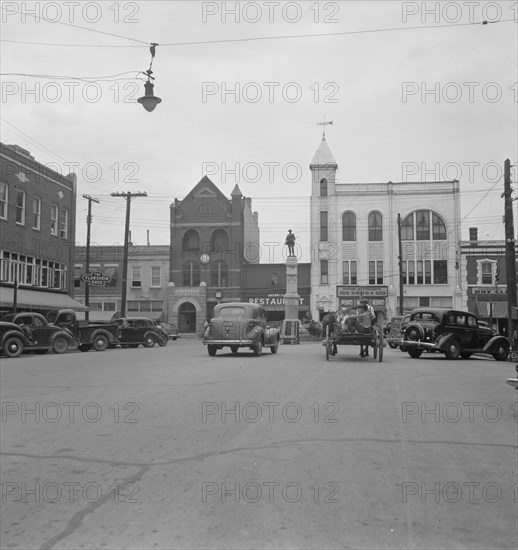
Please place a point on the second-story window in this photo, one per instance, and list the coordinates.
(36, 213)
(156, 276)
(20, 207)
(4, 192)
(54, 220)
(63, 224)
(136, 276)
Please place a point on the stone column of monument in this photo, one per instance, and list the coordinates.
(291, 298)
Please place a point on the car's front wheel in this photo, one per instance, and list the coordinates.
(212, 349)
(415, 353)
(234, 349)
(162, 340)
(60, 345)
(13, 347)
(258, 349)
(149, 341)
(453, 351)
(275, 348)
(100, 342)
(501, 353)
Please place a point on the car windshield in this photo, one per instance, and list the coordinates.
(232, 311)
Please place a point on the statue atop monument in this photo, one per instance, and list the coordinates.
(290, 243)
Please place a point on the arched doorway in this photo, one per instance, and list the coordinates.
(187, 317)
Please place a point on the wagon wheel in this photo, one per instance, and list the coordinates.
(328, 350)
(380, 345)
(375, 349)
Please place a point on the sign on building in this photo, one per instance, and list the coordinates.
(95, 278)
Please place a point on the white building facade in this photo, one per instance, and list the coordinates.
(355, 244)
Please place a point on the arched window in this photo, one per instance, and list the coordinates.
(219, 241)
(349, 226)
(422, 225)
(191, 240)
(375, 227)
(219, 274)
(438, 228)
(191, 274)
(407, 228)
(428, 226)
(323, 187)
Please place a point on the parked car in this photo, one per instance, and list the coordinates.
(24, 332)
(171, 330)
(452, 332)
(88, 335)
(396, 331)
(134, 331)
(240, 325)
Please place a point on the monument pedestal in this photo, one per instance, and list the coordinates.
(291, 298)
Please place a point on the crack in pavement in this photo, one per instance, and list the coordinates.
(273, 445)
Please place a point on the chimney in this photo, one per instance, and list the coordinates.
(473, 234)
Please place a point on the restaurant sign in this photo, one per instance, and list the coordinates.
(95, 278)
(362, 291)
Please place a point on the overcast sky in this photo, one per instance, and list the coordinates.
(413, 95)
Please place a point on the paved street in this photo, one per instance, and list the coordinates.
(171, 448)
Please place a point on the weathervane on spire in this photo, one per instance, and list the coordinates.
(324, 124)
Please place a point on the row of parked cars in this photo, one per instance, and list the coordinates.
(60, 330)
(452, 332)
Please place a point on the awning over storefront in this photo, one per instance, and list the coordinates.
(499, 310)
(38, 299)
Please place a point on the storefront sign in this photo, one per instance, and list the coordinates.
(96, 278)
(362, 291)
(487, 290)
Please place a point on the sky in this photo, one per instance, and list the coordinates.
(416, 91)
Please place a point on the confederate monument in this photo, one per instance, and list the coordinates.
(291, 298)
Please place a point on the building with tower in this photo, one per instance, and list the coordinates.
(212, 239)
(355, 245)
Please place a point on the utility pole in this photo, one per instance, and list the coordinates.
(510, 255)
(87, 268)
(128, 196)
(400, 264)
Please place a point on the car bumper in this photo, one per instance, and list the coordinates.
(419, 345)
(228, 342)
(513, 382)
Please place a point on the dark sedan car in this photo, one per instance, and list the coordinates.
(134, 331)
(452, 332)
(240, 325)
(24, 332)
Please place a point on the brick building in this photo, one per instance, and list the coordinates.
(212, 238)
(37, 225)
(483, 267)
(148, 276)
